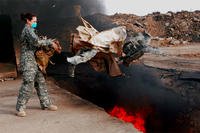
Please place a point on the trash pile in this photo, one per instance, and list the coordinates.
(105, 50)
(182, 26)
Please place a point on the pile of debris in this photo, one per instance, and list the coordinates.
(182, 26)
(107, 49)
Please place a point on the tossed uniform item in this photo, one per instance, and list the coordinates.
(135, 46)
(83, 57)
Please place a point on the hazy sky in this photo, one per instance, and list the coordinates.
(143, 7)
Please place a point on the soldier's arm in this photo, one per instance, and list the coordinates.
(36, 41)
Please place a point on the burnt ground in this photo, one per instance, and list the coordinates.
(179, 71)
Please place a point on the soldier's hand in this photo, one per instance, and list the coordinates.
(56, 46)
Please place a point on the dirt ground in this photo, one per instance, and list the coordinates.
(180, 57)
(74, 114)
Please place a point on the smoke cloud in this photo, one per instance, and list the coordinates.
(54, 16)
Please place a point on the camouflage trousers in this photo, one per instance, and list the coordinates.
(32, 79)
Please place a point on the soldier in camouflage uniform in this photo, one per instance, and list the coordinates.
(32, 76)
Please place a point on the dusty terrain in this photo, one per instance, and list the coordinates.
(180, 58)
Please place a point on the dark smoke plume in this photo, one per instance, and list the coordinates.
(55, 16)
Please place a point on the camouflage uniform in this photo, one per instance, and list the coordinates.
(32, 76)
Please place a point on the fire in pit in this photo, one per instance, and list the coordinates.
(137, 119)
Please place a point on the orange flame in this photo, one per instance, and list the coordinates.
(137, 120)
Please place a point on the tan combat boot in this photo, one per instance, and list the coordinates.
(21, 113)
(51, 107)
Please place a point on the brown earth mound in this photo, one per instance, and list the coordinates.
(182, 25)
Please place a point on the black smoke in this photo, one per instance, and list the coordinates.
(54, 16)
(139, 89)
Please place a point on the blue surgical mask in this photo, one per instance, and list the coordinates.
(34, 25)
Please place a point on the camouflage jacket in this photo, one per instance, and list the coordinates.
(29, 44)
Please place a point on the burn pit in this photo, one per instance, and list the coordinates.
(138, 119)
(140, 92)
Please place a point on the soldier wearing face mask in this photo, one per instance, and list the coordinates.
(31, 75)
